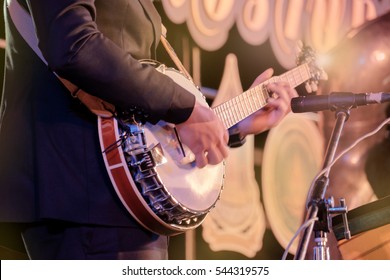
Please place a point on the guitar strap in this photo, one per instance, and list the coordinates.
(25, 26)
(172, 55)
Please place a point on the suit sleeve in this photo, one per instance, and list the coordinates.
(77, 50)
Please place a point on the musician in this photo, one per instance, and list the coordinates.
(54, 188)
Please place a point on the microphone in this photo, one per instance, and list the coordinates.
(336, 100)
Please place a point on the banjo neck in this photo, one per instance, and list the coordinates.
(238, 108)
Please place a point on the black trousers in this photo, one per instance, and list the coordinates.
(57, 240)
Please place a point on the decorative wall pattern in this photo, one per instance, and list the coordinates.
(320, 23)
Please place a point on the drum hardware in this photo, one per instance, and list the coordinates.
(343, 210)
(318, 207)
(370, 227)
(363, 218)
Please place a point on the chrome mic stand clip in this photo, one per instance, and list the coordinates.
(324, 225)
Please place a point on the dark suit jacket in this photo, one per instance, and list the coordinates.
(51, 165)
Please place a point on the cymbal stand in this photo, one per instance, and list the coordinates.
(318, 207)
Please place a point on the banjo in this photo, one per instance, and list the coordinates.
(155, 175)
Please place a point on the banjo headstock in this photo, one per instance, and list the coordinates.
(307, 55)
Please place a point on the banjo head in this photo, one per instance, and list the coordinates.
(196, 189)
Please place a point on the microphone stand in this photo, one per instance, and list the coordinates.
(317, 205)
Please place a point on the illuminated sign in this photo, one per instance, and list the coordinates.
(319, 23)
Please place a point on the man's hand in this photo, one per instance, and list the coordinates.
(205, 135)
(274, 111)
